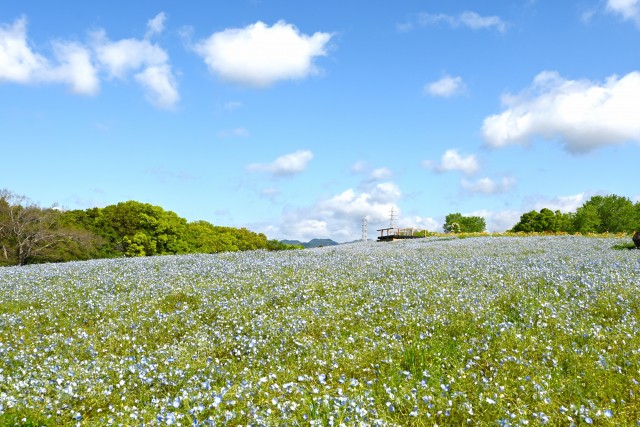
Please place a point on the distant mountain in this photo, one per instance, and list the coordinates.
(313, 243)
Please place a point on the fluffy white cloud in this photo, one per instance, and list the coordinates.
(78, 65)
(155, 25)
(375, 204)
(498, 221)
(446, 87)
(307, 229)
(453, 161)
(489, 186)
(467, 19)
(259, 55)
(582, 114)
(148, 61)
(422, 223)
(121, 57)
(75, 68)
(561, 203)
(286, 165)
(381, 173)
(476, 21)
(340, 216)
(160, 85)
(629, 9)
(20, 64)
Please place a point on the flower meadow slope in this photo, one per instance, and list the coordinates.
(479, 331)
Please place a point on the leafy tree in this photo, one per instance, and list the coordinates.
(607, 214)
(139, 229)
(276, 245)
(455, 223)
(29, 233)
(544, 221)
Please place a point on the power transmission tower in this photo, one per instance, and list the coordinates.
(392, 218)
(364, 229)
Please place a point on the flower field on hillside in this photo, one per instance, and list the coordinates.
(506, 331)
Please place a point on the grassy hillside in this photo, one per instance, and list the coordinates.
(476, 331)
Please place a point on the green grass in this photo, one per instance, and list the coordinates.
(451, 332)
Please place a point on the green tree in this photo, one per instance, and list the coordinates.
(138, 229)
(607, 214)
(544, 221)
(456, 222)
(29, 233)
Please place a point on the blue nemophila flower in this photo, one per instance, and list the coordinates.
(289, 335)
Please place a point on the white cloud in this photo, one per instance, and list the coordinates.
(340, 216)
(232, 105)
(307, 229)
(422, 223)
(160, 85)
(375, 204)
(378, 174)
(477, 22)
(467, 19)
(259, 55)
(629, 9)
(636, 198)
(453, 161)
(446, 87)
(124, 56)
(498, 221)
(561, 203)
(78, 65)
(270, 193)
(288, 164)
(587, 16)
(20, 64)
(155, 25)
(381, 173)
(583, 115)
(75, 68)
(148, 61)
(359, 166)
(489, 186)
(234, 133)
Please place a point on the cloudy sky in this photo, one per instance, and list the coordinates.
(298, 119)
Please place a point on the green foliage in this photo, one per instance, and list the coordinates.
(139, 229)
(544, 221)
(30, 234)
(456, 223)
(203, 237)
(607, 214)
(276, 245)
(599, 214)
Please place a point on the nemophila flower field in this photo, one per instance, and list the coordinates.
(502, 331)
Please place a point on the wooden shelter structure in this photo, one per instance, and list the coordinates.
(391, 234)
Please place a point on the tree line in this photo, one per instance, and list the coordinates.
(33, 234)
(599, 214)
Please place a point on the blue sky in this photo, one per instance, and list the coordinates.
(298, 119)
